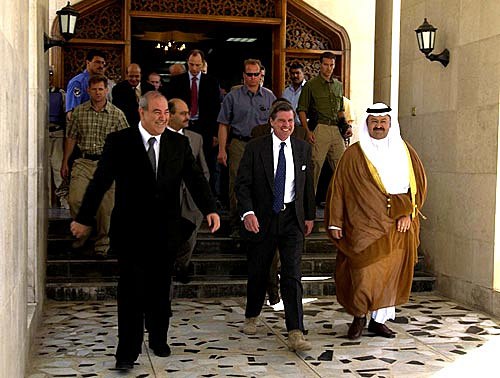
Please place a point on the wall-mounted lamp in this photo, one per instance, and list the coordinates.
(67, 22)
(426, 36)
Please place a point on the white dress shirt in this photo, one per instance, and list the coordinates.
(145, 141)
(290, 170)
(290, 167)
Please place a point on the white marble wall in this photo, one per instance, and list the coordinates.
(22, 224)
(455, 131)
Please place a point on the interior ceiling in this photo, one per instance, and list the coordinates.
(191, 31)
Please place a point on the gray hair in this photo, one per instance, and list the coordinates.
(148, 96)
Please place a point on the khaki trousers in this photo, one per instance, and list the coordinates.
(81, 174)
(56, 142)
(328, 144)
(236, 149)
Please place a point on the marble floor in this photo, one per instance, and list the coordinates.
(435, 337)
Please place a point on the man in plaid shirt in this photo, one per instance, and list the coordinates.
(88, 128)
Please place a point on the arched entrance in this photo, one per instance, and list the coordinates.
(290, 29)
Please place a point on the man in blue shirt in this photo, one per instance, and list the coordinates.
(76, 92)
(292, 92)
(242, 109)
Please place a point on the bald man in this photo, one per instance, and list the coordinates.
(126, 94)
(176, 69)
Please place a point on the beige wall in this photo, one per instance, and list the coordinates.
(386, 72)
(357, 17)
(455, 131)
(22, 224)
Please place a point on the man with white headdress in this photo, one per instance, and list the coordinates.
(371, 214)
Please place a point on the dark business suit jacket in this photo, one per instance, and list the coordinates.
(145, 218)
(208, 101)
(124, 98)
(255, 183)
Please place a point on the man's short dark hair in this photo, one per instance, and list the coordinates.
(94, 79)
(255, 62)
(280, 106)
(296, 66)
(196, 52)
(92, 53)
(327, 55)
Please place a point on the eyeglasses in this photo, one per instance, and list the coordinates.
(250, 74)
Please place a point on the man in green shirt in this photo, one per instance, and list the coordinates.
(322, 96)
(90, 124)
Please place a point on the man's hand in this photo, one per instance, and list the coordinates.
(348, 133)
(213, 221)
(335, 234)
(310, 137)
(222, 157)
(308, 227)
(78, 230)
(251, 223)
(403, 224)
(64, 169)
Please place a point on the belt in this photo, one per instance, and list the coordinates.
(55, 128)
(288, 205)
(240, 137)
(93, 157)
(328, 123)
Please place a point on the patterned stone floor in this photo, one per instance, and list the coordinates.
(435, 337)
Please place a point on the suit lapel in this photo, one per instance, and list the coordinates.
(298, 161)
(266, 155)
(143, 159)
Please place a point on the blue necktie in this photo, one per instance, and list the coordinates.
(279, 180)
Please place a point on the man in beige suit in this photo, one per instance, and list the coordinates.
(179, 120)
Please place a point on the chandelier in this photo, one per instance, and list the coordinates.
(171, 46)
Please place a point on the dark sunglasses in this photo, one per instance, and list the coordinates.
(250, 74)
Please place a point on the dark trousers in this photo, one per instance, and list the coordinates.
(143, 291)
(284, 233)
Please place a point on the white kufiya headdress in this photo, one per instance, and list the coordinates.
(388, 155)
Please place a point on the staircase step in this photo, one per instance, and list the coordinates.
(207, 287)
(219, 265)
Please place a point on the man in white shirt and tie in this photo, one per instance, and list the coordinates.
(275, 193)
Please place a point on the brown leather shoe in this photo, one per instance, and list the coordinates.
(381, 329)
(356, 327)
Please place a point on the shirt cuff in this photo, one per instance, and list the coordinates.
(334, 228)
(247, 213)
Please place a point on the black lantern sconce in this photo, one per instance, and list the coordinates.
(67, 22)
(426, 36)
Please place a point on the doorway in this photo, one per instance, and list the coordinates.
(225, 45)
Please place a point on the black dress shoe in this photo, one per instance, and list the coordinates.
(381, 329)
(356, 327)
(160, 350)
(124, 365)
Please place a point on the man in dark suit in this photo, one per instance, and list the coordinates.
(204, 104)
(179, 121)
(147, 164)
(126, 94)
(275, 193)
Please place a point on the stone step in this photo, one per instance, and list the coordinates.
(60, 246)
(207, 287)
(203, 265)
